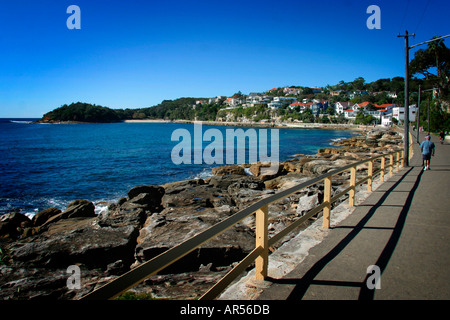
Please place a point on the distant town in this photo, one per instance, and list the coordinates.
(355, 105)
(380, 102)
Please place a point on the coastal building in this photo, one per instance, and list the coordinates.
(216, 99)
(350, 114)
(339, 107)
(389, 94)
(316, 90)
(336, 92)
(358, 93)
(315, 107)
(256, 98)
(291, 91)
(386, 106)
(399, 113)
(386, 120)
(275, 104)
(362, 106)
(234, 102)
(278, 102)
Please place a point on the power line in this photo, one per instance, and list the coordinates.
(423, 14)
(404, 15)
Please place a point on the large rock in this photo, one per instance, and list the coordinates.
(76, 240)
(142, 202)
(121, 216)
(307, 202)
(266, 170)
(317, 167)
(154, 193)
(230, 169)
(42, 216)
(79, 209)
(197, 196)
(75, 209)
(13, 224)
(286, 181)
(173, 226)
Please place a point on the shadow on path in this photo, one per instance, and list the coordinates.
(302, 285)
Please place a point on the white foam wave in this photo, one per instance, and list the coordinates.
(206, 173)
(101, 209)
(248, 172)
(101, 206)
(337, 139)
(20, 121)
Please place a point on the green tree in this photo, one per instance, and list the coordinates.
(434, 64)
(359, 83)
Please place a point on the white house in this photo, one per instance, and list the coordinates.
(293, 91)
(386, 120)
(399, 113)
(278, 102)
(350, 114)
(275, 104)
(339, 107)
(234, 102)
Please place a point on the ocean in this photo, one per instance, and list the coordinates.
(50, 165)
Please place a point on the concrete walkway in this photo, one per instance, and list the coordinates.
(403, 228)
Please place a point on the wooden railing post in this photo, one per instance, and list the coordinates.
(262, 240)
(398, 162)
(370, 175)
(353, 186)
(391, 163)
(327, 200)
(383, 167)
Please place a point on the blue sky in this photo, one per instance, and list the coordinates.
(132, 54)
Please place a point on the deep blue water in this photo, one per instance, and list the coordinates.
(45, 165)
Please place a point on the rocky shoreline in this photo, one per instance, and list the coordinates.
(35, 254)
(251, 124)
(279, 125)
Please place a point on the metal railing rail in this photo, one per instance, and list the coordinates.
(259, 255)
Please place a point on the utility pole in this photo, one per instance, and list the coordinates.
(406, 122)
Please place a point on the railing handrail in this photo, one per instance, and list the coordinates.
(156, 264)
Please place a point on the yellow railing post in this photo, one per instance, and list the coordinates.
(262, 240)
(383, 167)
(398, 162)
(351, 202)
(370, 175)
(327, 201)
(391, 163)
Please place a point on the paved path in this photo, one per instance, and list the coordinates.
(403, 228)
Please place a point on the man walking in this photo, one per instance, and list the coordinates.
(427, 147)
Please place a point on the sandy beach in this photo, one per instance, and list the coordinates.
(285, 125)
(147, 121)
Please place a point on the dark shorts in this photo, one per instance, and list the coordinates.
(426, 156)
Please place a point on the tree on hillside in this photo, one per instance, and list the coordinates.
(359, 83)
(434, 64)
